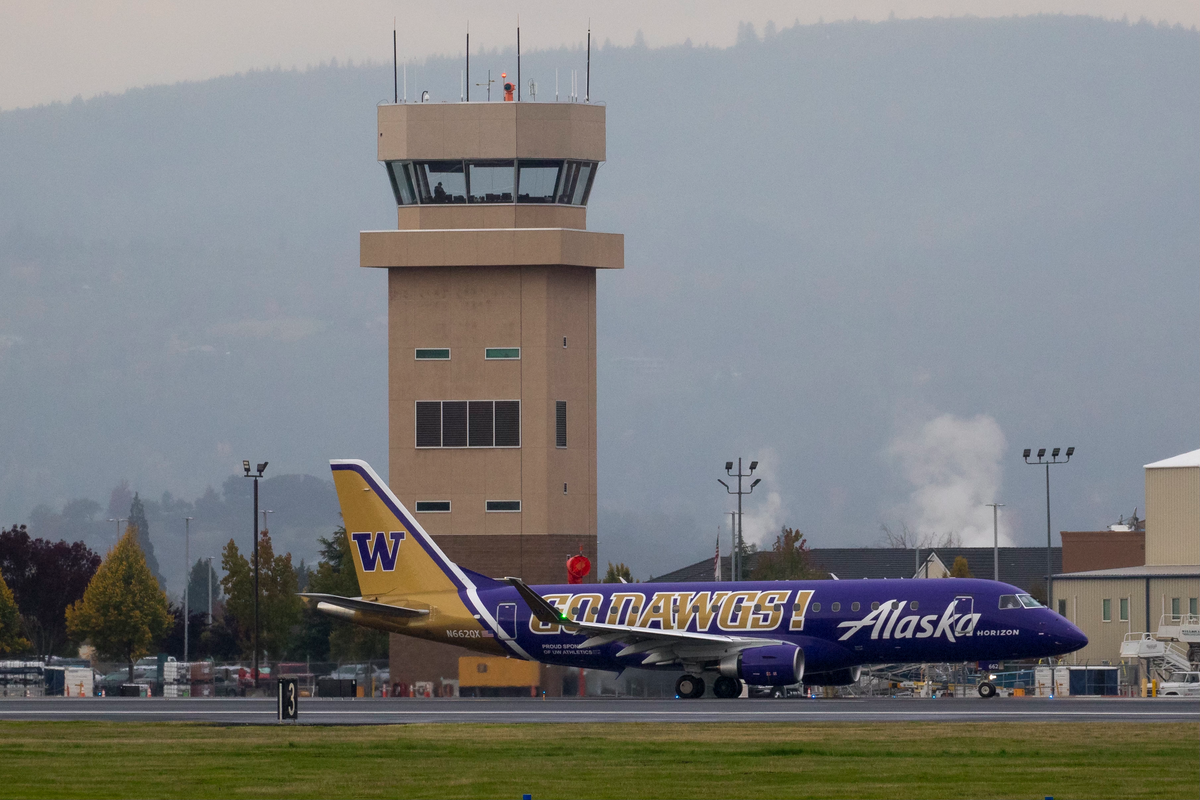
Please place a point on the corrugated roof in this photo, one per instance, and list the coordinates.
(1020, 566)
(1191, 459)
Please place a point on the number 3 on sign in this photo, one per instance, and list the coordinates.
(288, 694)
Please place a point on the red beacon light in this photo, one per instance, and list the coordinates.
(577, 568)
(508, 95)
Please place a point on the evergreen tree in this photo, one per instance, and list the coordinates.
(123, 611)
(11, 640)
(279, 608)
(616, 572)
(787, 560)
(199, 578)
(137, 518)
(335, 574)
(960, 569)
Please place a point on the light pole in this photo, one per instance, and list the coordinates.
(1041, 459)
(995, 540)
(266, 527)
(210, 574)
(737, 572)
(187, 580)
(254, 556)
(118, 520)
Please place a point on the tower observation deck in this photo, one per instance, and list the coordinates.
(492, 336)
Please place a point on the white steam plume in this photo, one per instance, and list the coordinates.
(954, 465)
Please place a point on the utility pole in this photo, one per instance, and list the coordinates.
(187, 580)
(995, 540)
(1041, 460)
(737, 575)
(254, 556)
(210, 574)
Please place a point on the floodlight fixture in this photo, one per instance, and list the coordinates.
(1026, 453)
(735, 562)
(1054, 453)
(1070, 452)
(728, 466)
(753, 466)
(246, 466)
(723, 483)
(757, 481)
(1041, 452)
(262, 467)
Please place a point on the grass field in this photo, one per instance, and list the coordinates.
(1036, 760)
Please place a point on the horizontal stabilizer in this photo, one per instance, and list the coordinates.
(358, 604)
(541, 609)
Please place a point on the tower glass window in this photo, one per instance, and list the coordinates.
(537, 181)
(439, 182)
(491, 181)
(402, 182)
(481, 424)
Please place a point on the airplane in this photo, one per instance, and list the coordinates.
(762, 633)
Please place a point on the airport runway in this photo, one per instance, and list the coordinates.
(236, 711)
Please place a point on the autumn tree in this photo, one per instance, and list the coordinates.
(123, 612)
(11, 640)
(279, 608)
(960, 569)
(45, 578)
(617, 573)
(787, 560)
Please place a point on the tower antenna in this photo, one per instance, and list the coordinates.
(468, 61)
(518, 58)
(395, 67)
(587, 80)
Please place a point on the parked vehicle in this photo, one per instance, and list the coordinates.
(1181, 684)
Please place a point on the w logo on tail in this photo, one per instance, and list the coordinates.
(378, 553)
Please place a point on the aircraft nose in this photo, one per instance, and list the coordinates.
(1069, 637)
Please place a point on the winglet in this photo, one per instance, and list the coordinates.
(541, 609)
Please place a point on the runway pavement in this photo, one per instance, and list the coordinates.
(377, 711)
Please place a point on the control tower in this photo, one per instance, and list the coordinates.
(492, 337)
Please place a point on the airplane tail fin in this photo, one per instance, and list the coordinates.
(392, 554)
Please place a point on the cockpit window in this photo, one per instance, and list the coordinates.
(1028, 601)
(1009, 601)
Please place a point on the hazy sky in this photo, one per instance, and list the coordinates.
(56, 49)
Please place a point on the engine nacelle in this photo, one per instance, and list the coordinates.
(771, 665)
(837, 677)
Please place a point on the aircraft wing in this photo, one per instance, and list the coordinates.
(660, 646)
(358, 604)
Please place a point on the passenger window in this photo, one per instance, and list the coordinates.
(875, 606)
(757, 607)
(913, 605)
(815, 607)
(855, 606)
(836, 607)
(1009, 601)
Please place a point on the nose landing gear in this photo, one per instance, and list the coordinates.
(987, 689)
(689, 687)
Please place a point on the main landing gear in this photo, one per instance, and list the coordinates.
(689, 687)
(727, 687)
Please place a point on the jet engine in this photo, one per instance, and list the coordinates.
(770, 665)
(837, 677)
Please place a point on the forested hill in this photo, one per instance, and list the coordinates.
(835, 235)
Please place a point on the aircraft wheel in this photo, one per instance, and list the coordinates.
(987, 689)
(726, 687)
(689, 687)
